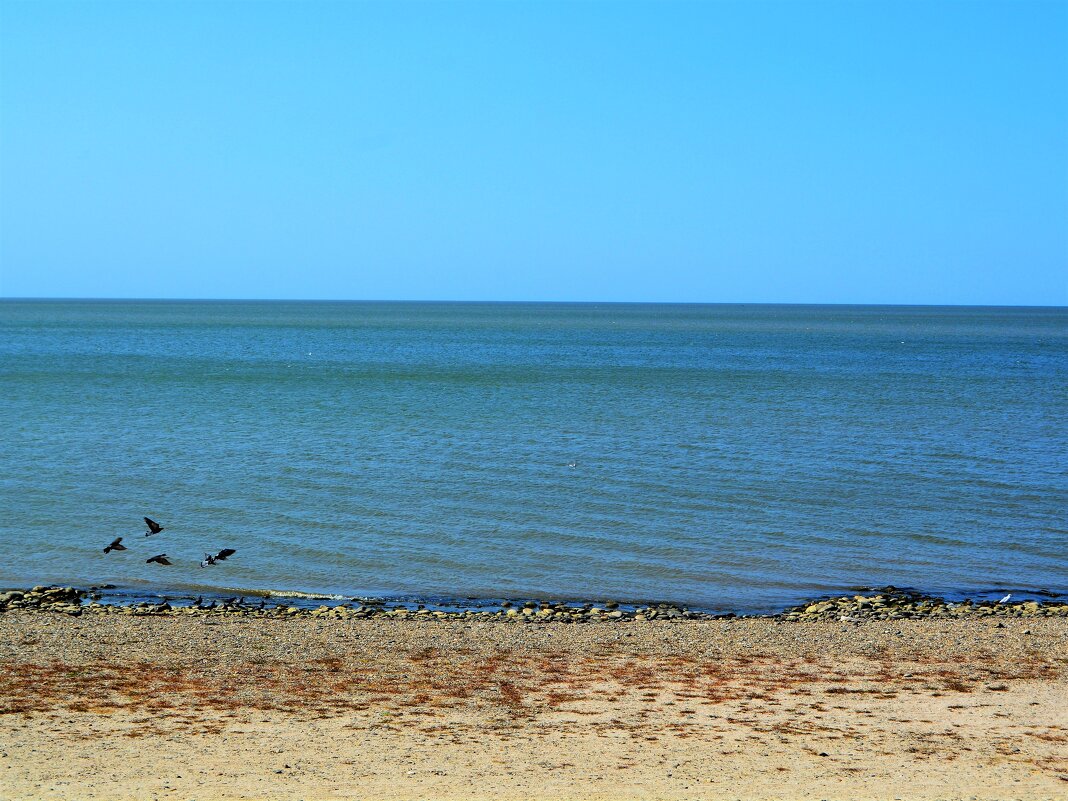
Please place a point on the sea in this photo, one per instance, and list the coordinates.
(724, 457)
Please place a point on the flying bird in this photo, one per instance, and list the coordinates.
(160, 559)
(116, 545)
(153, 527)
(221, 556)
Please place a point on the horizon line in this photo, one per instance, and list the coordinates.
(101, 299)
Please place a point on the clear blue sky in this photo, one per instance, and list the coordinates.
(900, 152)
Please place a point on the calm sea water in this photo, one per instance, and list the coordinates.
(728, 457)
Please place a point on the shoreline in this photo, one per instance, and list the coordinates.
(224, 706)
(889, 603)
(182, 594)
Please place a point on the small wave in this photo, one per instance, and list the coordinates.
(209, 590)
(296, 594)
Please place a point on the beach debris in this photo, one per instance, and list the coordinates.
(153, 527)
(160, 559)
(221, 556)
(116, 545)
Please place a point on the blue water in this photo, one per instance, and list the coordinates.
(727, 457)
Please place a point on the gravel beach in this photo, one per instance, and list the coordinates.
(137, 706)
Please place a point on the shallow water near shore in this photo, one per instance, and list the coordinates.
(723, 457)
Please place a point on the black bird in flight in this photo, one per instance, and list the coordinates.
(116, 545)
(222, 555)
(160, 559)
(153, 527)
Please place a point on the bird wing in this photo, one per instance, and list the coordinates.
(152, 524)
(117, 545)
(165, 561)
(225, 552)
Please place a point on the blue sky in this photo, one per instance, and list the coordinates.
(865, 152)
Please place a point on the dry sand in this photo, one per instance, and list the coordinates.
(118, 707)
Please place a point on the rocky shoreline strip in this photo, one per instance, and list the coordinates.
(888, 604)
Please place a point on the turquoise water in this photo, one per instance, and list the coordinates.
(727, 457)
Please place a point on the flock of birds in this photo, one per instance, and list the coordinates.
(161, 558)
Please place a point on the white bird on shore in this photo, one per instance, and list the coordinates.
(1005, 600)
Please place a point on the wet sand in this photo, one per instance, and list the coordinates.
(138, 707)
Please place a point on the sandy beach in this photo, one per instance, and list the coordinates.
(125, 707)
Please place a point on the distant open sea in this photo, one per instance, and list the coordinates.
(728, 457)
